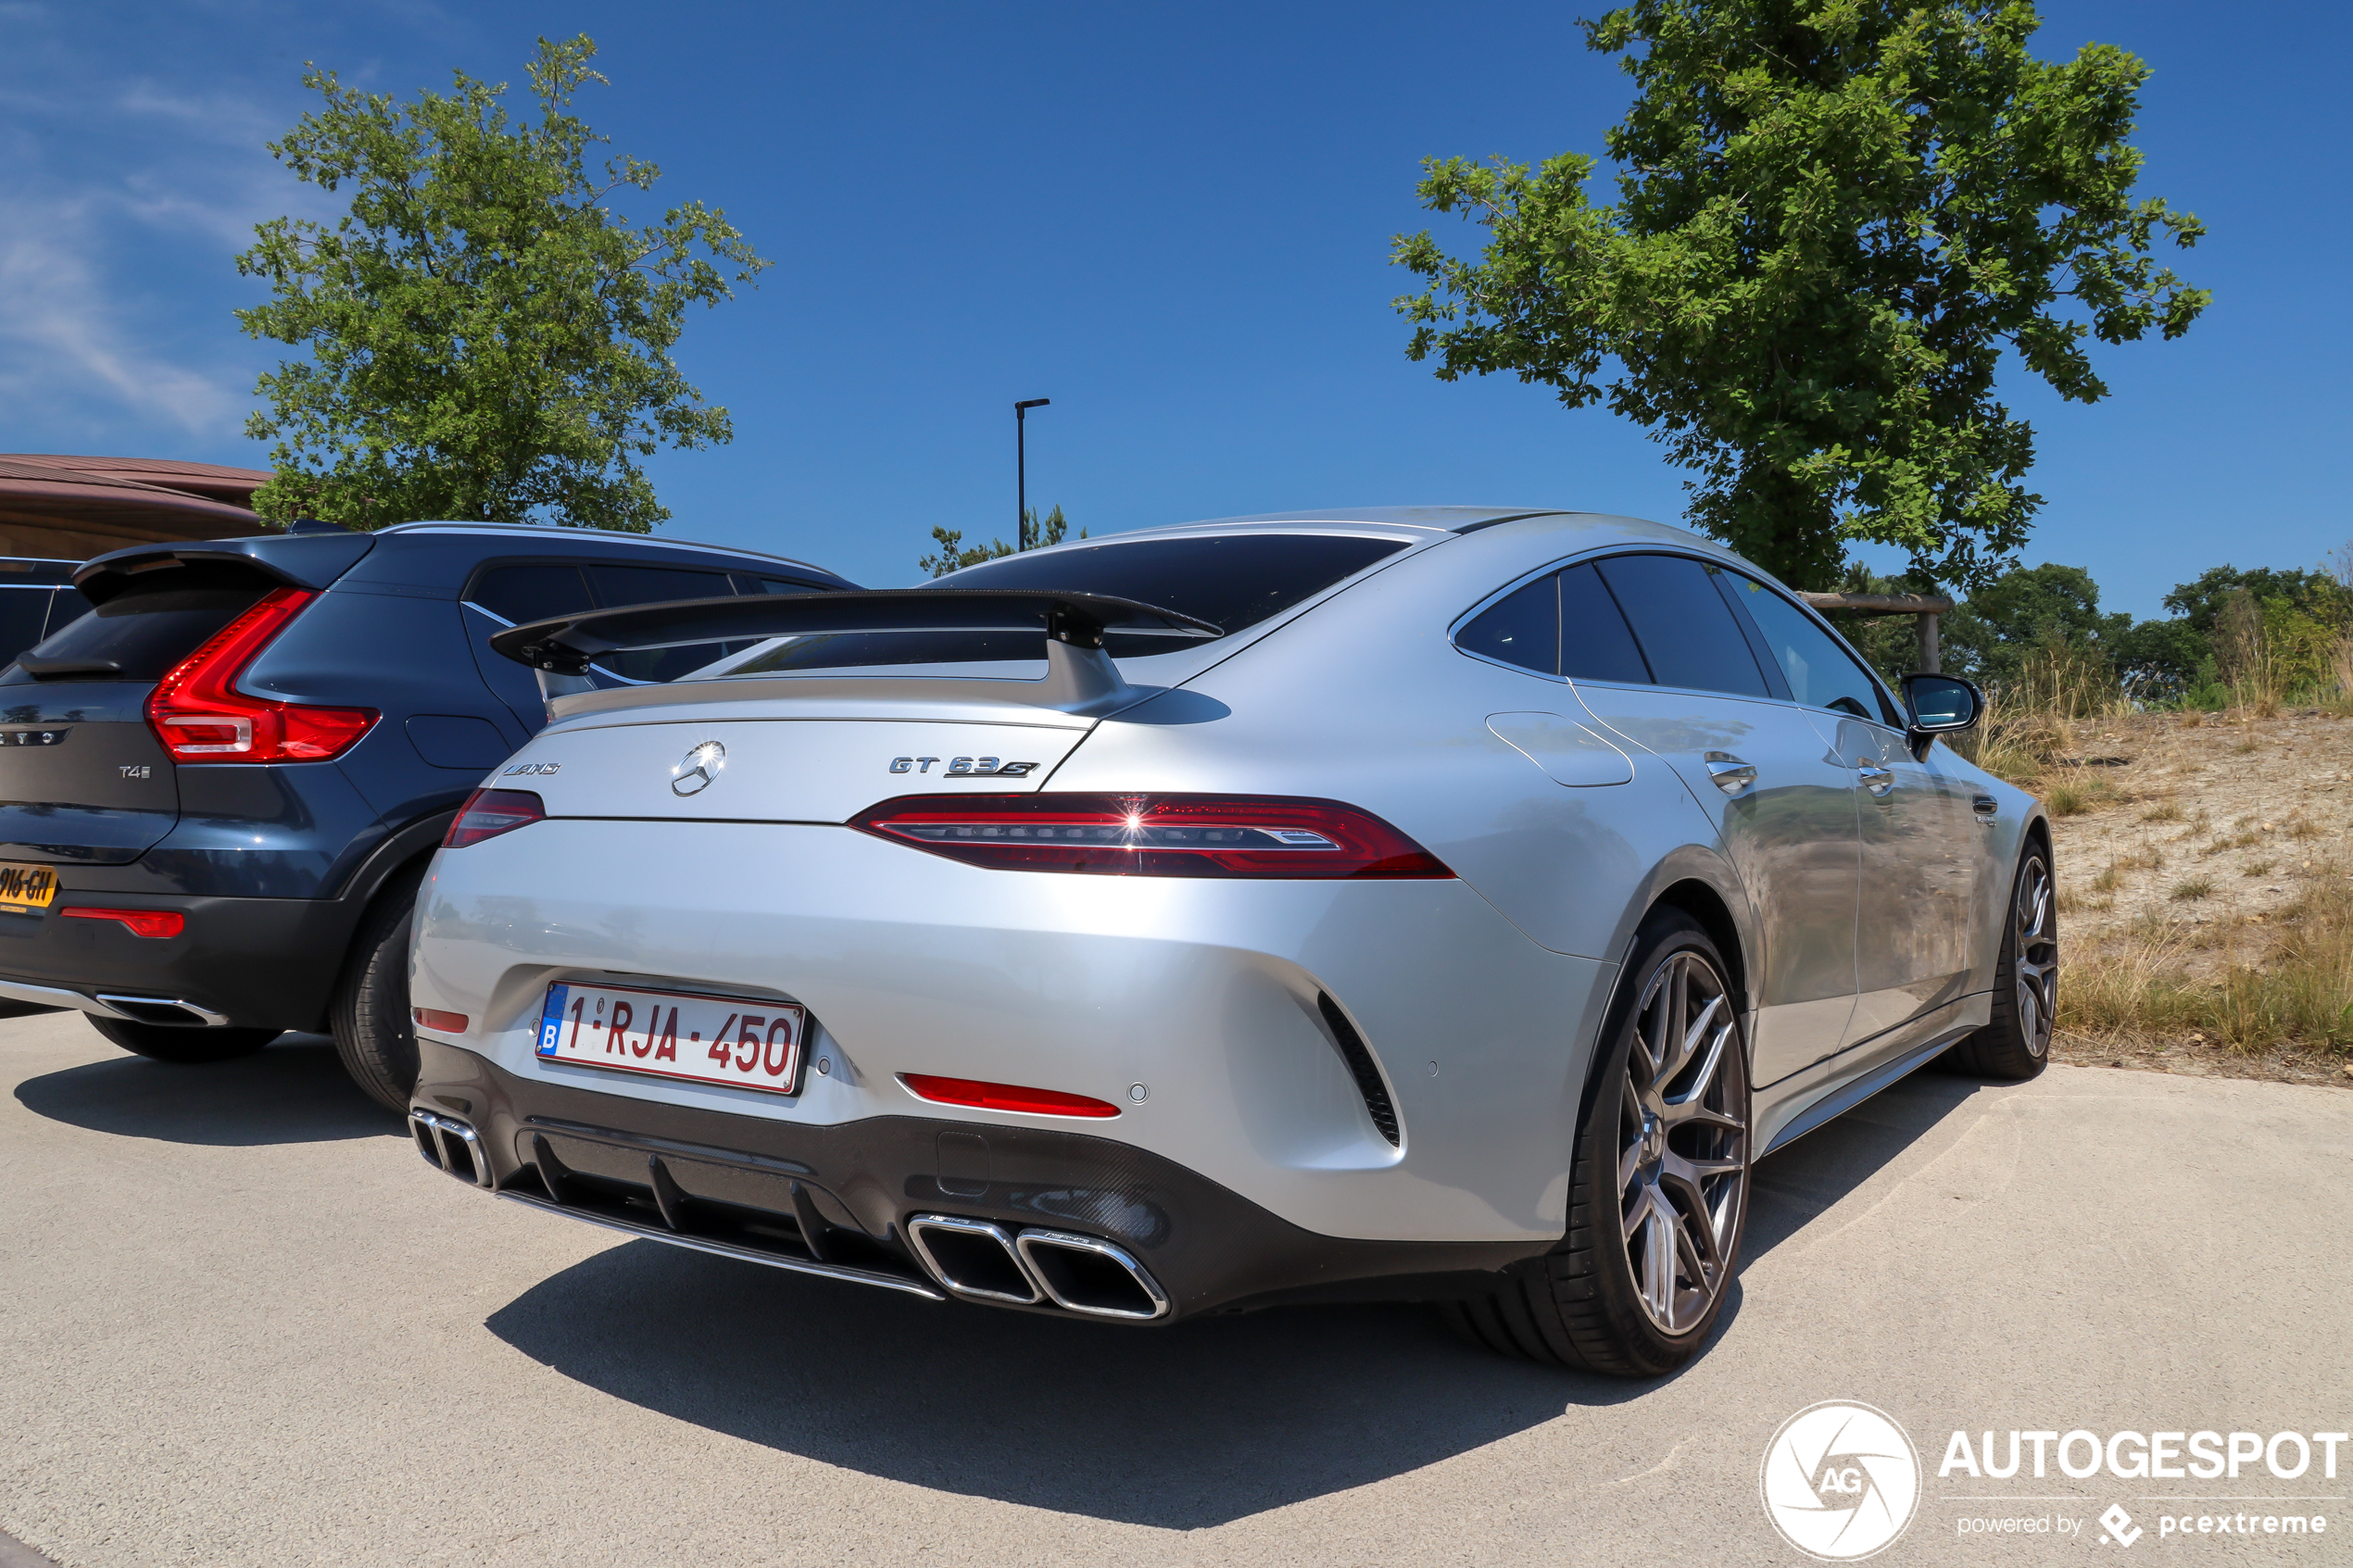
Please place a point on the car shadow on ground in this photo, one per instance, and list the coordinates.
(1180, 1428)
(295, 1091)
(1794, 1184)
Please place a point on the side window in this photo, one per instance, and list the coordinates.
(1683, 625)
(746, 583)
(1595, 644)
(618, 585)
(518, 594)
(1820, 673)
(1522, 629)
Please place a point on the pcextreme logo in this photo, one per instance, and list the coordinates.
(1841, 1481)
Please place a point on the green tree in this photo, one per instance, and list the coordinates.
(2199, 602)
(955, 557)
(1836, 217)
(486, 338)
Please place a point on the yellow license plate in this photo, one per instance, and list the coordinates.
(27, 887)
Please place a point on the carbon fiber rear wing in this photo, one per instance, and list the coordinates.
(1073, 626)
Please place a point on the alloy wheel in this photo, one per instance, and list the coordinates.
(1683, 1142)
(2035, 955)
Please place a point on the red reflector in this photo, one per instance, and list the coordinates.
(1004, 1097)
(1240, 835)
(433, 1018)
(200, 716)
(489, 812)
(142, 923)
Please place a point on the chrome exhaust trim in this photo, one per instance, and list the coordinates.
(113, 1006)
(142, 1010)
(448, 1143)
(722, 1250)
(1089, 1288)
(980, 1261)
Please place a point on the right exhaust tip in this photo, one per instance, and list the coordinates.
(1084, 1274)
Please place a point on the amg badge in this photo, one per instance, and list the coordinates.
(965, 767)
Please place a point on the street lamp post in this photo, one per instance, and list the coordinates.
(1021, 468)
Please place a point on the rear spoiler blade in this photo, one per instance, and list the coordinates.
(1079, 674)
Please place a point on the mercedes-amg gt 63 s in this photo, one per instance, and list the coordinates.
(1447, 904)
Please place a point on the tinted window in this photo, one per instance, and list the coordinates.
(518, 594)
(746, 583)
(1523, 628)
(139, 635)
(1230, 581)
(1685, 629)
(1820, 673)
(616, 586)
(24, 614)
(1595, 644)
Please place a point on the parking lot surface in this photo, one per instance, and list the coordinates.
(244, 1323)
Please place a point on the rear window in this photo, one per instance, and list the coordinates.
(1232, 581)
(139, 635)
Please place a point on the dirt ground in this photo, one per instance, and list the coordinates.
(2194, 836)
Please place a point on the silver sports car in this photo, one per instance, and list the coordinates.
(1443, 904)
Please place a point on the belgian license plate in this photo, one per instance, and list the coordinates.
(27, 887)
(742, 1042)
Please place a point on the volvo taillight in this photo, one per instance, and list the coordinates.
(489, 812)
(1219, 835)
(200, 716)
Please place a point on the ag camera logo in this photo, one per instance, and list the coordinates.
(1841, 1481)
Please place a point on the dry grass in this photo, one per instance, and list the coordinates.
(2241, 962)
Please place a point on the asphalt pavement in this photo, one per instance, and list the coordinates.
(242, 1322)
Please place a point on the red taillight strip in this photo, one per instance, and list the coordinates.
(198, 714)
(1003, 1096)
(157, 923)
(1281, 838)
(489, 812)
(433, 1018)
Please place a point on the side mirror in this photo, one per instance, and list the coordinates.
(1937, 704)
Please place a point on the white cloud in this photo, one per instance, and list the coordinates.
(69, 337)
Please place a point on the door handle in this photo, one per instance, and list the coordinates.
(1732, 774)
(1985, 806)
(1876, 778)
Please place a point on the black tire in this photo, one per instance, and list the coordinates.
(370, 1015)
(1584, 1304)
(185, 1045)
(2017, 1044)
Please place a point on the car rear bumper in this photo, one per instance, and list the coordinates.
(1217, 1017)
(840, 1199)
(267, 963)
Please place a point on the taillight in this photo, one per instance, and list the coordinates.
(1004, 1097)
(157, 924)
(1239, 835)
(489, 812)
(200, 716)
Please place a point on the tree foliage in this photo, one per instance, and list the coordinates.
(955, 557)
(1834, 219)
(487, 338)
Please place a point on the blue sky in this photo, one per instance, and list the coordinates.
(1173, 220)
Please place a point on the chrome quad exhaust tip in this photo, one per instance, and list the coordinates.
(983, 1262)
(973, 1259)
(448, 1143)
(1084, 1274)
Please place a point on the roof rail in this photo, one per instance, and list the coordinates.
(603, 535)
